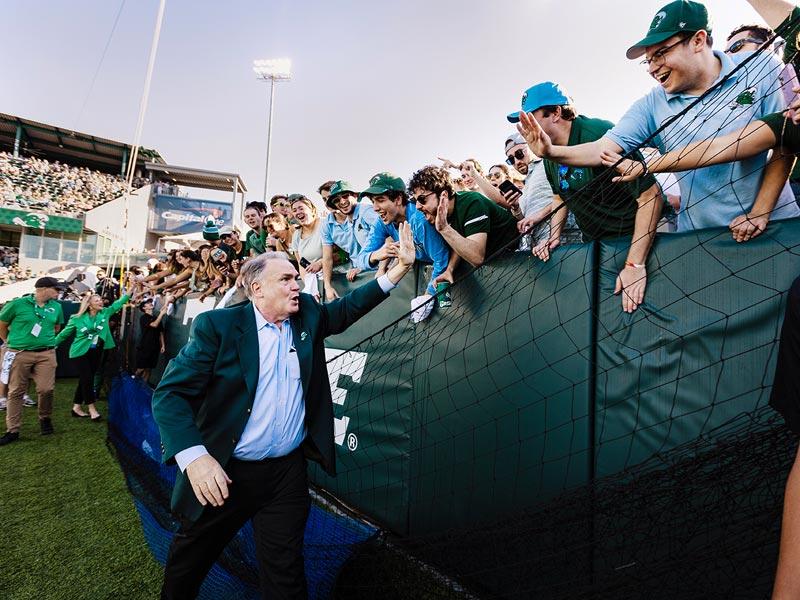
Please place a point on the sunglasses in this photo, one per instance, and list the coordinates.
(739, 44)
(421, 198)
(518, 155)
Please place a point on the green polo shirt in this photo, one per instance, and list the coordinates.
(23, 314)
(602, 208)
(475, 213)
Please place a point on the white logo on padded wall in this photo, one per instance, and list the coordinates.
(352, 365)
(194, 307)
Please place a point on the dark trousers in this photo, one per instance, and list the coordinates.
(274, 494)
(88, 364)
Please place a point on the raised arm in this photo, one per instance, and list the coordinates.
(753, 139)
(472, 248)
(581, 155)
(340, 314)
(774, 12)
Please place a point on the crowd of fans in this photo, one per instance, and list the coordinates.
(552, 188)
(30, 183)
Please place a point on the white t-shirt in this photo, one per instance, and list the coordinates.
(309, 248)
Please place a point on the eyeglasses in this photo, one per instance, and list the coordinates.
(518, 155)
(739, 44)
(658, 58)
(563, 183)
(421, 198)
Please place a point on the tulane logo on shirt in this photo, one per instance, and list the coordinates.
(746, 98)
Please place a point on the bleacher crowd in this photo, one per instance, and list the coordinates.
(31, 183)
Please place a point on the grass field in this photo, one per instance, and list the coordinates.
(70, 529)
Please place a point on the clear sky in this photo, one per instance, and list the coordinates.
(381, 85)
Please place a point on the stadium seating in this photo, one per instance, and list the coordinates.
(57, 188)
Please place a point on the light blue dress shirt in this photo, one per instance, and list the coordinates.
(429, 244)
(276, 425)
(352, 235)
(713, 196)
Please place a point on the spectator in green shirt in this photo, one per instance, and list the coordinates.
(254, 213)
(92, 334)
(601, 209)
(472, 225)
(28, 328)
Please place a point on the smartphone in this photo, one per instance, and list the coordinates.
(508, 186)
(304, 262)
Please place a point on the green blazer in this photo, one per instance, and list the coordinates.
(206, 392)
(85, 328)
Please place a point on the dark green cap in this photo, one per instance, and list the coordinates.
(681, 16)
(382, 183)
(338, 188)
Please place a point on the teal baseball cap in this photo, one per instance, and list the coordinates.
(382, 183)
(681, 16)
(337, 189)
(541, 94)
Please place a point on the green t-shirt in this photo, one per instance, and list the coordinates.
(786, 133)
(255, 242)
(23, 315)
(475, 213)
(602, 208)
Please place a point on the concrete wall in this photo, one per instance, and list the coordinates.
(108, 219)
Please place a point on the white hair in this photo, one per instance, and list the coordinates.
(253, 269)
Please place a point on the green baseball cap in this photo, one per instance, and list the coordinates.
(338, 188)
(681, 16)
(382, 183)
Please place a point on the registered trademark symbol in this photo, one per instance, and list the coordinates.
(352, 441)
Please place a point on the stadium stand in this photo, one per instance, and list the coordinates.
(36, 184)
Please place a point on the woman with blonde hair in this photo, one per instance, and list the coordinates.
(92, 335)
(307, 239)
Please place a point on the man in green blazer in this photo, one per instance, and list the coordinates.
(240, 407)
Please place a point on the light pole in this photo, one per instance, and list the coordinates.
(271, 70)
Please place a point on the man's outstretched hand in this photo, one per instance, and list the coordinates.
(538, 141)
(406, 254)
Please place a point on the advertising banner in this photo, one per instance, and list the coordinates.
(175, 215)
(39, 220)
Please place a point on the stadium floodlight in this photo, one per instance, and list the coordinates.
(272, 70)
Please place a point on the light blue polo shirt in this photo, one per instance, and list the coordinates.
(352, 235)
(429, 243)
(713, 196)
